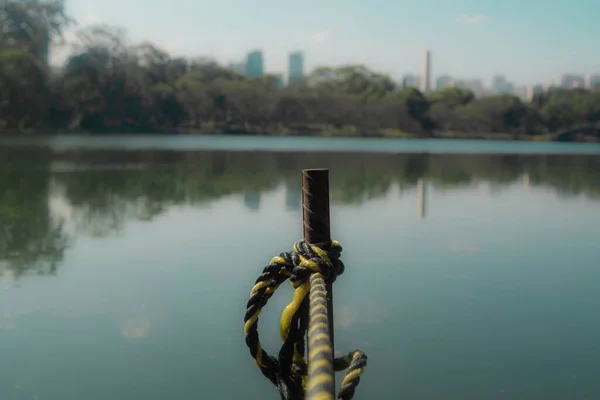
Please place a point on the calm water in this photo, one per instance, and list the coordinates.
(124, 269)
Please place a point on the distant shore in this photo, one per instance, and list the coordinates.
(328, 131)
(351, 132)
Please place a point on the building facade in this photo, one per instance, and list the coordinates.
(296, 67)
(254, 64)
(594, 82)
(532, 90)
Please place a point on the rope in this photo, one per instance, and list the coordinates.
(309, 268)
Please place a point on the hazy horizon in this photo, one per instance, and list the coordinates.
(528, 42)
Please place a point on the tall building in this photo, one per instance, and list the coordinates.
(296, 67)
(594, 82)
(254, 64)
(425, 86)
(571, 81)
(442, 81)
(410, 81)
(532, 90)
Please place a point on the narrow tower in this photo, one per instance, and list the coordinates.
(425, 86)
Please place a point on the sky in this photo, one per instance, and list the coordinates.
(529, 41)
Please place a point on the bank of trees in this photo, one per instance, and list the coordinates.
(110, 85)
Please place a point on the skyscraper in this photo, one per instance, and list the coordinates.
(532, 90)
(425, 86)
(254, 64)
(594, 81)
(296, 66)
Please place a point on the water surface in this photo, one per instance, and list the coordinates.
(124, 273)
(183, 142)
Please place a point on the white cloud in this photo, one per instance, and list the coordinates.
(472, 18)
(320, 37)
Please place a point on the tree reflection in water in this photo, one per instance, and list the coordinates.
(31, 240)
(104, 189)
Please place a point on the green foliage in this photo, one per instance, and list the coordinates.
(109, 85)
(451, 96)
(560, 108)
(99, 191)
(29, 238)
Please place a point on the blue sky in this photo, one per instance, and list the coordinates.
(527, 40)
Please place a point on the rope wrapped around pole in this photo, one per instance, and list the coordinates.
(317, 230)
(321, 379)
(312, 266)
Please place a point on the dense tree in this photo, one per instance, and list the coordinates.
(109, 85)
(32, 25)
(451, 97)
(24, 94)
(561, 108)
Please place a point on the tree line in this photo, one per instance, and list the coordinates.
(110, 85)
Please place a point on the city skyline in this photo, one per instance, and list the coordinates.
(424, 81)
(526, 41)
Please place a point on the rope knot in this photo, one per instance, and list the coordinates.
(289, 371)
(322, 258)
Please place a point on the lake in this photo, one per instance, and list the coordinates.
(472, 268)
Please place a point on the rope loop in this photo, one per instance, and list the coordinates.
(288, 372)
(309, 258)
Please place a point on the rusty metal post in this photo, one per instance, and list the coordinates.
(316, 221)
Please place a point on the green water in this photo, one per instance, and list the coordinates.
(125, 267)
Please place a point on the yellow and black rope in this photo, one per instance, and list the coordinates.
(309, 269)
